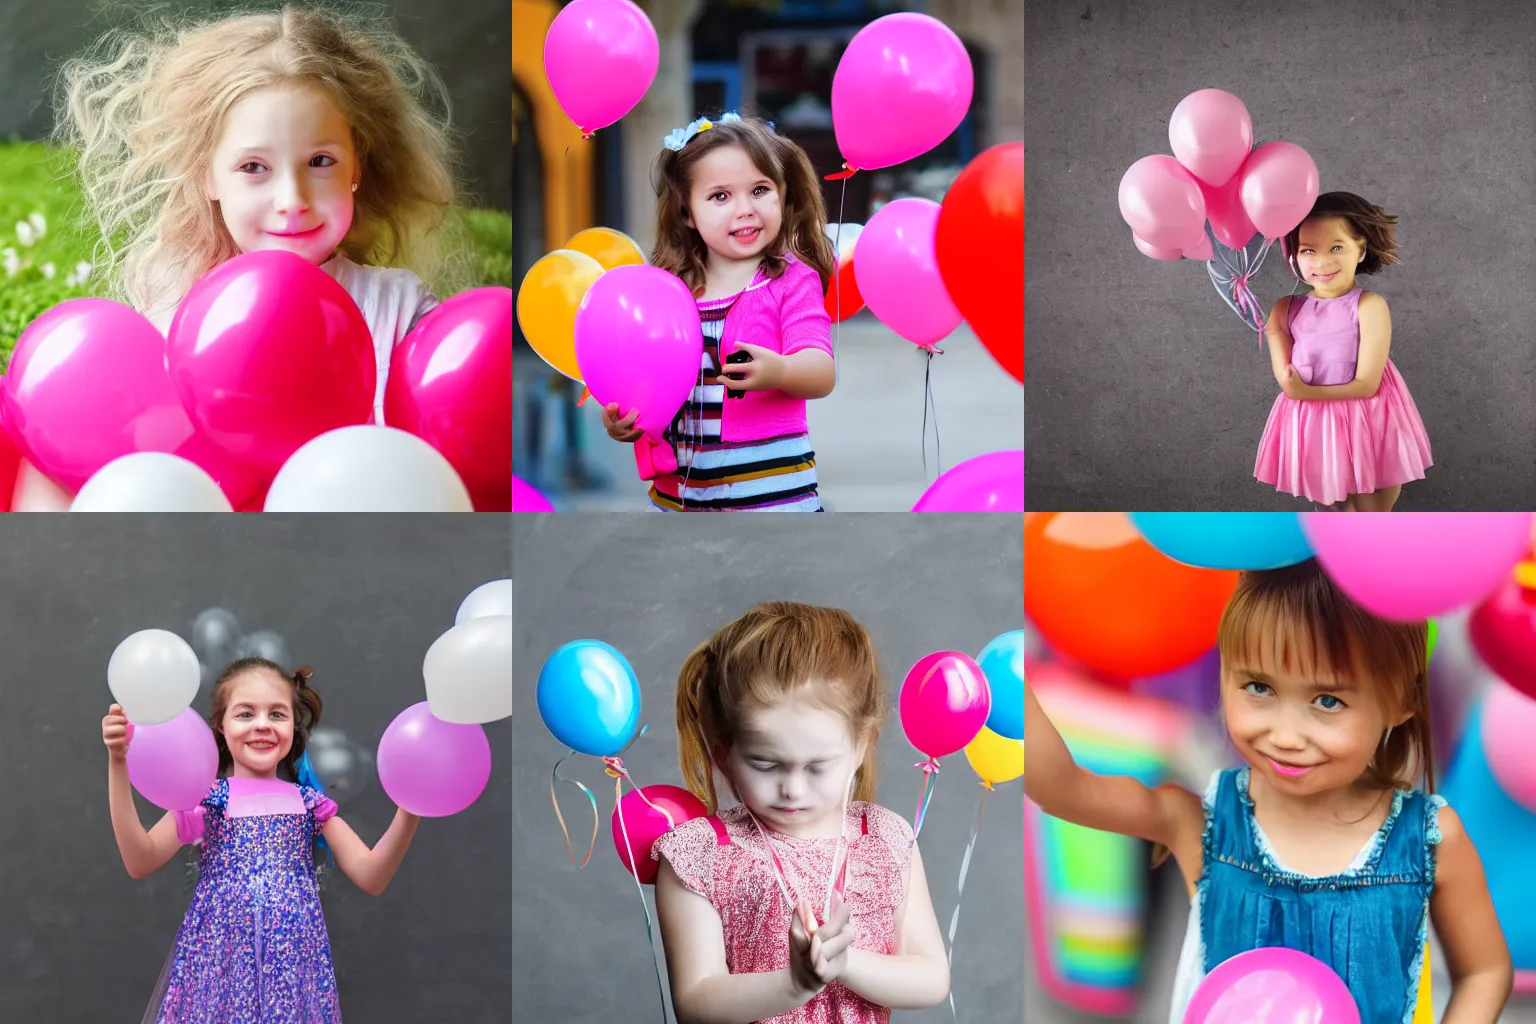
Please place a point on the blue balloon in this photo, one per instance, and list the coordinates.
(589, 697)
(1002, 661)
(1226, 540)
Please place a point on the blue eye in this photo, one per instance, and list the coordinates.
(1257, 688)
(1328, 702)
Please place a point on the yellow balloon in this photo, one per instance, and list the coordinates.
(995, 758)
(547, 302)
(609, 247)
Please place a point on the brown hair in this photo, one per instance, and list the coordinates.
(1366, 221)
(1298, 618)
(306, 709)
(802, 233)
(776, 649)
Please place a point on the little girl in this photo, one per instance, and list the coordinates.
(797, 904)
(252, 948)
(287, 130)
(740, 218)
(1344, 431)
(1319, 842)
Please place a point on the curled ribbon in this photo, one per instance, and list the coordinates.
(965, 868)
(930, 768)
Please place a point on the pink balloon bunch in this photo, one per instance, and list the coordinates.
(600, 57)
(1215, 174)
(897, 270)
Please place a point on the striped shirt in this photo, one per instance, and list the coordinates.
(776, 474)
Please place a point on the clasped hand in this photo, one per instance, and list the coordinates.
(818, 956)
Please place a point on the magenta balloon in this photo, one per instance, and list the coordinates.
(645, 824)
(1224, 209)
(527, 498)
(1154, 251)
(897, 271)
(993, 482)
(600, 57)
(1279, 185)
(86, 385)
(1272, 986)
(639, 343)
(1161, 201)
(945, 701)
(1211, 133)
(267, 352)
(901, 87)
(173, 764)
(431, 767)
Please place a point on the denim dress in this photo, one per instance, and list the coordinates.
(1368, 924)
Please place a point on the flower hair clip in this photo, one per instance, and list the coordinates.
(679, 136)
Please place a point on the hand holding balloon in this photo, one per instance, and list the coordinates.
(116, 733)
(621, 428)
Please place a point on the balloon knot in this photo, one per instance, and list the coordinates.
(987, 786)
(586, 136)
(586, 393)
(929, 767)
(846, 172)
(614, 768)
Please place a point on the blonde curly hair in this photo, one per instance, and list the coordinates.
(145, 108)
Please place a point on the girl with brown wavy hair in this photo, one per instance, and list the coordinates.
(740, 219)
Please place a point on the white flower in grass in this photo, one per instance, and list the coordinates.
(11, 265)
(48, 270)
(24, 233)
(82, 272)
(39, 224)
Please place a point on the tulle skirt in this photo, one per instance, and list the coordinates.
(1325, 451)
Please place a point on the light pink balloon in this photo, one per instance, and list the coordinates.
(1157, 252)
(431, 767)
(1201, 250)
(901, 87)
(600, 57)
(1272, 985)
(1224, 209)
(1161, 201)
(1279, 185)
(1211, 134)
(897, 270)
(173, 764)
(639, 343)
(1508, 723)
(1409, 566)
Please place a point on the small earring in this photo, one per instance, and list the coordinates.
(354, 186)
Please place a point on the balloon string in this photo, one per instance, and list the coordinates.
(837, 283)
(554, 777)
(615, 768)
(928, 401)
(965, 867)
(930, 768)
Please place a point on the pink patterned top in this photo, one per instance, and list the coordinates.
(732, 869)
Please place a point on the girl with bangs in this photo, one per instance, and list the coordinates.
(1322, 841)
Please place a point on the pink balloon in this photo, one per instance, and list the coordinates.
(1224, 209)
(450, 384)
(901, 87)
(1273, 985)
(945, 701)
(600, 57)
(645, 825)
(173, 764)
(897, 270)
(639, 343)
(987, 483)
(527, 498)
(1508, 723)
(431, 767)
(1201, 250)
(1211, 134)
(267, 352)
(1157, 252)
(1161, 201)
(1412, 565)
(1279, 185)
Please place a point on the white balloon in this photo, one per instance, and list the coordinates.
(153, 674)
(493, 598)
(367, 469)
(468, 671)
(150, 482)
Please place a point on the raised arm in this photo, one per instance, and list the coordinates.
(1170, 814)
(143, 852)
(1462, 910)
(371, 870)
(1370, 362)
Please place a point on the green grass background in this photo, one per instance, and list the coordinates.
(35, 178)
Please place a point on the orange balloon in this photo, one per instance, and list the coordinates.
(547, 302)
(841, 307)
(1102, 596)
(609, 247)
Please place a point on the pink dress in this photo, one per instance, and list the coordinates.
(1324, 450)
(723, 859)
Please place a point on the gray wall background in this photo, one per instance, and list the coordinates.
(918, 583)
(361, 599)
(471, 48)
(1147, 391)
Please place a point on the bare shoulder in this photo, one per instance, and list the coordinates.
(1373, 301)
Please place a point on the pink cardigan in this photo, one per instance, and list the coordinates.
(785, 314)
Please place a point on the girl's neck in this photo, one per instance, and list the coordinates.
(1346, 805)
(725, 277)
(1334, 291)
(240, 771)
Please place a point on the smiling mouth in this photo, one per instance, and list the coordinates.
(746, 234)
(1290, 770)
(261, 745)
(1324, 277)
(296, 234)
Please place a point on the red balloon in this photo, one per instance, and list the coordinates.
(450, 384)
(1503, 632)
(268, 352)
(980, 246)
(645, 824)
(841, 307)
(10, 464)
